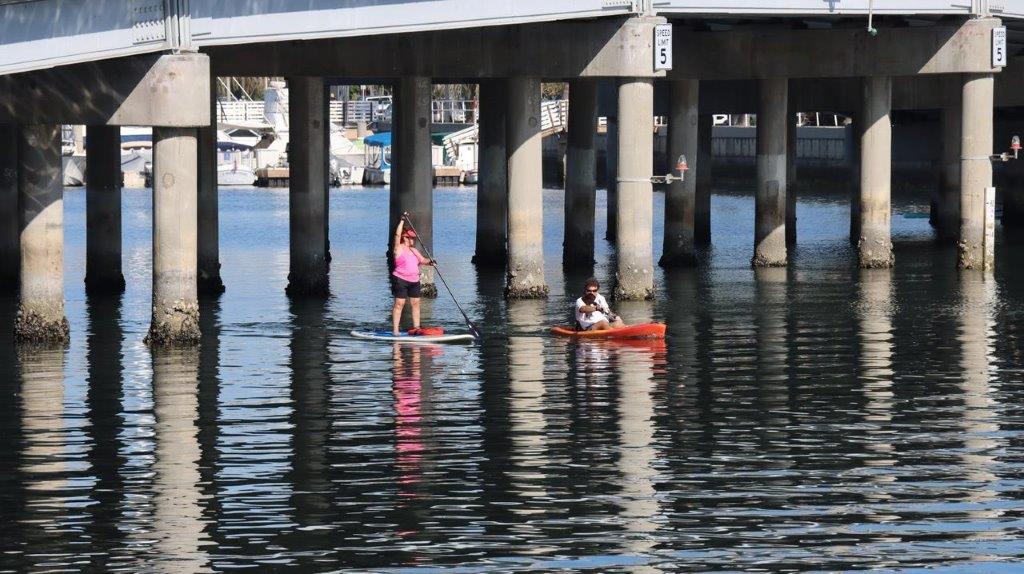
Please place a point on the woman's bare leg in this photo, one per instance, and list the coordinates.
(415, 301)
(396, 315)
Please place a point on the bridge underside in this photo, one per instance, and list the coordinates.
(773, 67)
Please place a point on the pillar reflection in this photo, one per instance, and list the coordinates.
(309, 475)
(875, 321)
(771, 300)
(980, 423)
(11, 433)
(496, 403)
(179, 528)
(635, 365)
(43, 458)
(105, 403)
(527, 419)
(685, 302)
(209, 408)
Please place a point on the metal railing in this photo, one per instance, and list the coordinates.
(352, 112)
(453, 111)
(554, 113)
(554, 116)
(239, 111)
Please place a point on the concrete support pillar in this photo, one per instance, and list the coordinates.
(175, 191)
(634, 276)
(947, 204)
(976, 229)
(41, 225)
(612, 167)
(702, 176)
(770, 201)
(307, 194)
(412, 174)
(210, 282)
(855, 155)
(492, 186)
(103, 210)
(681, 196)
(10, 250)
(874, 246)
(581, 175)
(791, 150)
(525, 273)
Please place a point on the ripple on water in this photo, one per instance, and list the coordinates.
(810, 418)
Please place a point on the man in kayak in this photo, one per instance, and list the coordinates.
(405, 279)
(592, 311)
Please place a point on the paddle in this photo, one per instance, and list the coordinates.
(472, 328)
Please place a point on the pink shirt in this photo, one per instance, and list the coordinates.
(407, 266)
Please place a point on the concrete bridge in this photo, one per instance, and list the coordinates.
(110, 63)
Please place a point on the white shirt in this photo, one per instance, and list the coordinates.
(587, 320)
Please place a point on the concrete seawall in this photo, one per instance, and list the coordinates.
(916, 151)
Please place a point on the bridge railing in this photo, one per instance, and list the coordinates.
(554, 116)
(239, 111)
(554, 113)
(352, 112)
(453, 111)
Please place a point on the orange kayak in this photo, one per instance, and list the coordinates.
(644, 331)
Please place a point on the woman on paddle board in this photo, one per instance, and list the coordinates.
(405, 279)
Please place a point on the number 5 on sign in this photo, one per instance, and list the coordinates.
(663, 47)
(998, 47)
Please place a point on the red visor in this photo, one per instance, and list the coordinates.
(409, 233)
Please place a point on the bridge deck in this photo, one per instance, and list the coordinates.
(36, 34)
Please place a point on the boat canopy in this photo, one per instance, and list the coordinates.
(382, 139)
(232, 146)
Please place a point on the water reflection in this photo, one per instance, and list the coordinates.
(820, 418)
(876, 363)
(527, 417)
(309, 361)
(106, 423)
(875, 335)
(209, 418)
(414, 392)
(980, 421)
(43, 461)
(771, 289)
(636, 364)
(180, 539)
(11, 438)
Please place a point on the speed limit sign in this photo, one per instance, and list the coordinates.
(663, 47)
(998, 47)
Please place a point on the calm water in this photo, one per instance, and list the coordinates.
(812, 418)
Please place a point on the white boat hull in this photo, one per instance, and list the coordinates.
(236, 176)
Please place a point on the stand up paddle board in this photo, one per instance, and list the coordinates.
(643, 331)
(406, 338)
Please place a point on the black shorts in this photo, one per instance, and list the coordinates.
(401, 288)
